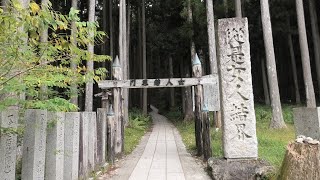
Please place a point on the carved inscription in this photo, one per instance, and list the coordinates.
(237, 94)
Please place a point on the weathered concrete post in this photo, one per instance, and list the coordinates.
(83, 145)
(8, 144)
(92, 142)
(111, 135)
(101, 135)
(71, 145)
(34, 145)
(239, 121)
(55, 146)
(206, 138)
(197, 72)
(117, 105)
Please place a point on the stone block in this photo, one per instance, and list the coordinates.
(101, 135)
(239, 121)
(307, 121)
(8, 144)
(55, 146)
(92, 142)
(34, 145)
(71, 145)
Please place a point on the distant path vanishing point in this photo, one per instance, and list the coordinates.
(161, 155)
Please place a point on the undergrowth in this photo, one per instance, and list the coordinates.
(138, 125)
(271, 143)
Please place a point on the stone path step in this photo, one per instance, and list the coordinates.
(161, 155)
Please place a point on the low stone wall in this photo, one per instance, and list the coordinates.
(56, 145)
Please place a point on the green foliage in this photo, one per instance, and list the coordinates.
(271, 143)
(138, 126)
(28, 64)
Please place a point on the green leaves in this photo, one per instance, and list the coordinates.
(27, 64)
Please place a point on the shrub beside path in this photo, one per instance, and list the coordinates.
(161, 155)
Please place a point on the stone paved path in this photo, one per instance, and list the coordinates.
(161, 155)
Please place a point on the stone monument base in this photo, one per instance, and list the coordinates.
(307, 121)
(239, 169)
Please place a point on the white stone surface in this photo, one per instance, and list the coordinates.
(55, 146)
(84, 144)
(34, 145)
(239, 122)
(307, 121)
(211, 95)
(71, 145)
(8, 144)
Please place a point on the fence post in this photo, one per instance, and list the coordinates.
(8, 144)
(197, 72)
(34, 145)
(118, 111)
(83, 144)
(71, 145)
(110, 135)
(55, 146)
(101, 135)
(207, 149)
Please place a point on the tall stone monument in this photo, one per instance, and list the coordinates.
(34, 145)
(239, 121)
(8, 144)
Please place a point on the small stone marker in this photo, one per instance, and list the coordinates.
(8, 145)
(101, 135)
(84, 145)
(55, 146)
(239, 128)
(307, 121)
(92, 143)
(34, 145)
(211, 95)
(71, 146)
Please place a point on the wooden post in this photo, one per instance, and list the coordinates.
(110, 135)
(117, 104)
(197, 72)
(207, 150)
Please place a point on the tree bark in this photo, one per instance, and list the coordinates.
(238, 8)
(44, 41)
(111, 30)
(123, 47)
(226, 8)
(310, 96)
(144, 58)
(211, 38)
(301, 162)
(172, 102)
(293, 64)
(74, 88)
(316, 38)
(89, 85)
(189, 115)
(265, 83)
(277, 118)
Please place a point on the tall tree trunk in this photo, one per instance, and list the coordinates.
(128, 49)
(226, 8)
(172, 103)
(265, 83)
(123, 55)
(238, 8)
(277, 118)
(44, 41)
(144, 58)
(111, 29)
(211, 38)
(316, 38)
(293, 63)
(310, 96)
(89, 85)
(189, 115)
(74, 91)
